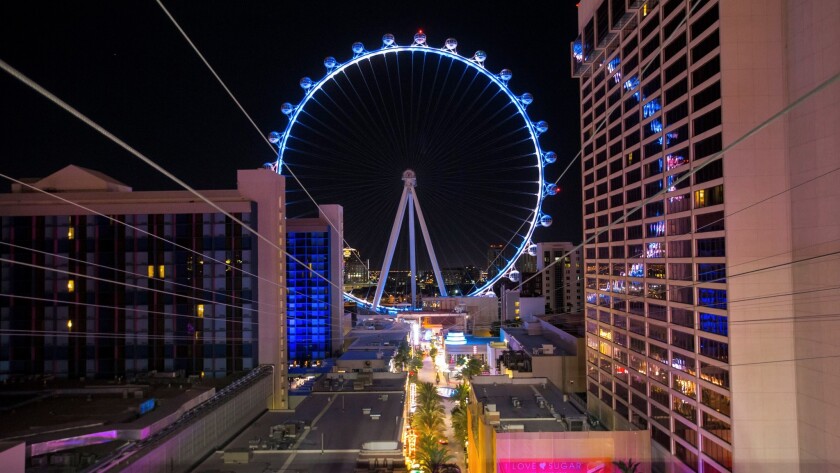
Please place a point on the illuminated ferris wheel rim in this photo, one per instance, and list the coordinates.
(476, 63)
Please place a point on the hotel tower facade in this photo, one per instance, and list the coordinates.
(710, 141)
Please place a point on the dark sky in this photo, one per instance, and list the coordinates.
(125, 65)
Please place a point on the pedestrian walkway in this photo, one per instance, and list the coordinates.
(427, 375)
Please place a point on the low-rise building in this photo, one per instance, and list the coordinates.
(528, 424)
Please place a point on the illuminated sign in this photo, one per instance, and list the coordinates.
(555, 465)
(147, 406)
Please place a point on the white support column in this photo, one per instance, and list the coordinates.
(389, 253)
(412, 249)
(438, 277)
(408, 199)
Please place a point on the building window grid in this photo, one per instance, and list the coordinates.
(653, 157)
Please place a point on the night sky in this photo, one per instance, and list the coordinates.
(125, 66)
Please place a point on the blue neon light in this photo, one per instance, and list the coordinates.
(651, 107)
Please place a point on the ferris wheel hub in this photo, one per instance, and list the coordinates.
(409, 178)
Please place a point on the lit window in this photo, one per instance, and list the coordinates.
(645, 9)
(151, 271)
(161, 271)
(200, 310)
(71, 233)
(700, 198)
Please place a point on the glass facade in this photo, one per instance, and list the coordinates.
(308, 310)
(166, 292)
(648, 117)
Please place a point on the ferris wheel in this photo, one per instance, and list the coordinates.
(473, 152)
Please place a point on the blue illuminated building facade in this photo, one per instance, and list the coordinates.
(314, 277)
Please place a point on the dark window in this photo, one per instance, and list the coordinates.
(675, 46)
(670, 6)
(707, 121)
(629, 47)
(704, 47)
(704, 22)
(711, 247)
(649, 47)
(631, 121)
(634, 176)
(616, 165)
(708, 146)
(617, 182)
(602, 20)
(652, 188)
(678, 67)
(706, 71)
(660, 436)
(653, 65)
(651, 87)
(706, 96)
(654, 209)
(682, 340)
(653, 148)
(682, 317)
(710, 222)
(676, 91)
(710, 171)
(672, 26)
(634, 194)
(676, 114)
(654, 168)
(650, 26)
(715, 350)
(617, 200)
(632, 138)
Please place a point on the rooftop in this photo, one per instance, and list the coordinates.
(527, 404)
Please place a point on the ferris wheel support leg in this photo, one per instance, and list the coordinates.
(389, 253)
(412, 252)
(438, 277)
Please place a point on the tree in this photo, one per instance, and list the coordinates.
(474, 367)
(429, 421)
(427, 394)
(402, 357)
(628, 466)
(461, 394)
(416, 362)
(459, 423)
(431, 455)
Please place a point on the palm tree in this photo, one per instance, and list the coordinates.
(427, 394)
(429, 422)
(403, 356)
(474, 367)
(626, 467)
(461, 394)
(459, 423)
(431, 455)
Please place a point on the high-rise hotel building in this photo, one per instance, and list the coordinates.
(99, 281)
(712, 309)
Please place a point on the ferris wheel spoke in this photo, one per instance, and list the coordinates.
(473, 148)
